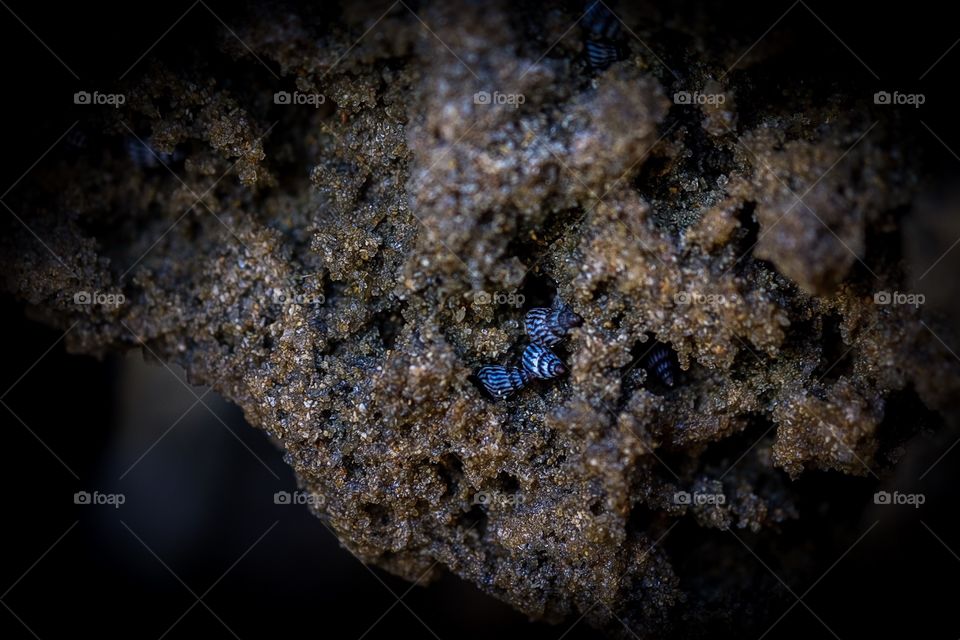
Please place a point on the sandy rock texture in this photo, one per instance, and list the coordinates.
(339, 269)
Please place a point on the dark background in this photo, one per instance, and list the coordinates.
(203, 496)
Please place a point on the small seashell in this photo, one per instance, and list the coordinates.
(602, 53)
(600, 21)
(501, 381)
(603, 30)
(542, 363)
(548, 326)
(659, 362)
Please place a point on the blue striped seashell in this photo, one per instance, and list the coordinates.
(600, 21)
(542, 363)
(501, 381)
(601, 53)
(548, 326)
(659, 362)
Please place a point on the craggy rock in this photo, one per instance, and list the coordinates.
(339, 270)
(845, 187)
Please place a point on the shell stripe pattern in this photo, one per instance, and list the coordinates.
(501, 381)
(602, 32)
(600, 22)
(547, 326)
(659, 363)
(601, 53)
(541, 362)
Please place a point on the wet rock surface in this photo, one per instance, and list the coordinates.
(340, 269)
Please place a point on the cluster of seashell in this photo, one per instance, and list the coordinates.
(545, 327)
